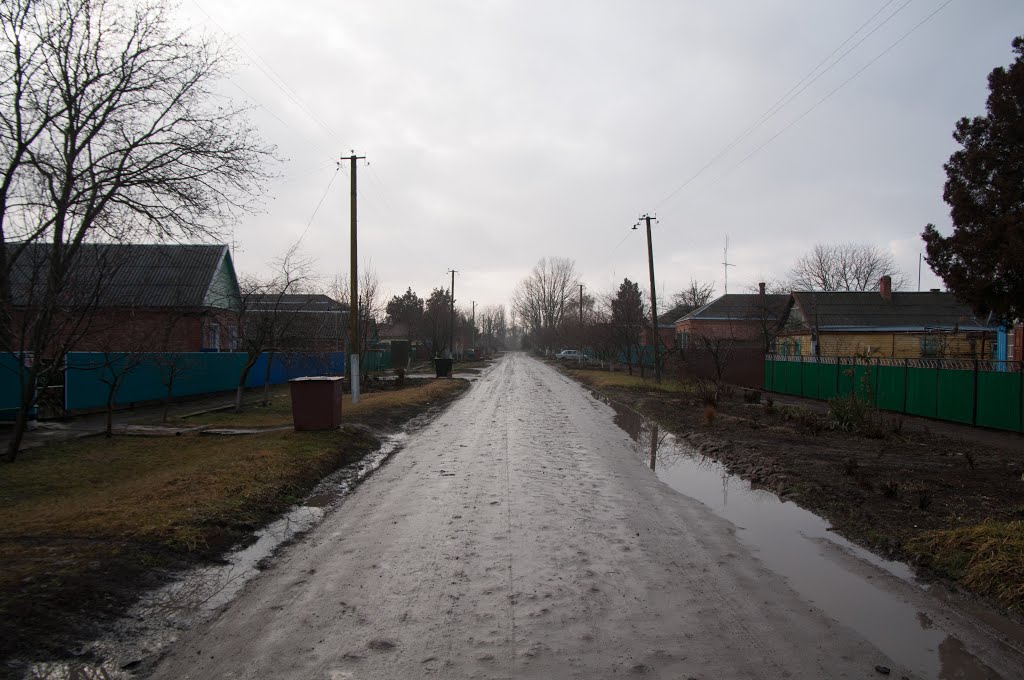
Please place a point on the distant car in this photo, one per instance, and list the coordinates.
(569, 355)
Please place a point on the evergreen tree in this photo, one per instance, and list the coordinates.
(982, 261)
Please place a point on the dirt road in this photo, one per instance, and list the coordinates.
(519, 537)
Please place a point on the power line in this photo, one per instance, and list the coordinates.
(839, 87)
(791, 94)
(319, 203)
(282, 85)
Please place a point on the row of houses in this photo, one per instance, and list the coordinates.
(873, 324)
(166, 298)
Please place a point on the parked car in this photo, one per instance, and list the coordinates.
(569, 355)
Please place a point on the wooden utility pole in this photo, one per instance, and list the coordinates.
(654, 303)
(472, 325)
(451, 330)
(580, 358)
(581, 306)
(353, 313)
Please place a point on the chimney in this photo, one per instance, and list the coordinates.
(760, 289)
(885, 287)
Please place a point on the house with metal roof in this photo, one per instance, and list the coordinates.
(752, 319)
(134, 297)
(884, 323)
(308, 322)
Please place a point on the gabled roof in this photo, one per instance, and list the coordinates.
(741, 307)
(130, 275)
(394, 331)
(299, 318)
(855, 311)
(296, 302)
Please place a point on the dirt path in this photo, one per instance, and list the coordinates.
(518, 536)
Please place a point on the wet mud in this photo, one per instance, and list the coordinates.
(135, 642)
(523, 534)
(878, 598)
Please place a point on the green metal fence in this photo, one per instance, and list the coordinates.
(971, 391)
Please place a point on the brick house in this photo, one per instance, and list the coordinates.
(884, 323)
(752, 319)
(303, 322)
(135, 297)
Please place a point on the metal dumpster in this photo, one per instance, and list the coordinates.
(316, 402)
(443, 367)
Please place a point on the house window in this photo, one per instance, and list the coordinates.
(211, 336)
(931, 346)
(232, 338)
(682, 340)
(796, 347)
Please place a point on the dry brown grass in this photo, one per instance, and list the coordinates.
(987, 558)
(279, 412)
(86, 521)
(161, 489)
(601, 379)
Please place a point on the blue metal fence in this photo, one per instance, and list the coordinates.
(148, 377)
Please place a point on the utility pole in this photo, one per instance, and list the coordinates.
(472, 325)
(580, 359)
(726, 264)
(656, 336)
(353, 313)
(581, 305)
(451, 330)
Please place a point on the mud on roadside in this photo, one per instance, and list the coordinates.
(59, 590)
(890, 491)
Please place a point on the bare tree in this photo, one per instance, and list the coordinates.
(372, 301)
(266, 323)
(694, 296)
(110, 129)
(542, 300)
(845, 267)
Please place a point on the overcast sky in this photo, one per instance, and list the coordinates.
(502, 131)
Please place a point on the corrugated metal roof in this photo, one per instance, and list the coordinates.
(742, 307)
(124, 275)
(869, 310)
(296, 302)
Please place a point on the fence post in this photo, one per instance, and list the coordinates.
(874, 389)
(801, 374)
(974, 405)
(906, 382)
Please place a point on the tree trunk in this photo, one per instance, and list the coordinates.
(266, 380)
(170, 392)
(109, 431)
(21, 420)
(241, 381)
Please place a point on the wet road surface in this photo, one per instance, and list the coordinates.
(522, 536)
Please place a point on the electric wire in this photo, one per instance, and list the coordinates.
(319, 203)
(836, 89)
(280, 85)
(791, 94)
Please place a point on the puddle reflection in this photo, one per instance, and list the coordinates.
(817, 563)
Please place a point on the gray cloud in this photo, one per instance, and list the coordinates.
(499, 132)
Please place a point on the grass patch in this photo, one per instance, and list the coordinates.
(85, 524)
(603, 379)
(987, 558)
(375, 406)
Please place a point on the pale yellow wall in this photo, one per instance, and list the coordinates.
(898, 345)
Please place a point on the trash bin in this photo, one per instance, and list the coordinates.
(443, 367)
(316, 402)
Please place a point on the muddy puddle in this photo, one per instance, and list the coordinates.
(136, 642)
(878, 598)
